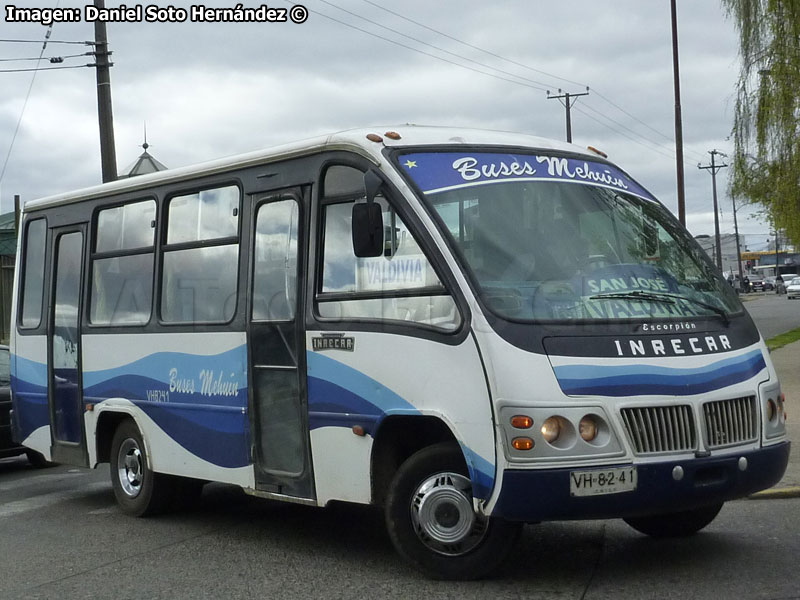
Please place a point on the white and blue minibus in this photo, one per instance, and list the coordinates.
(471, 329)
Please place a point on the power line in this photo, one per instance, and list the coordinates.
(47, 35)
(604, 116)
(528, 67)
(50, 58)
(407, 47)
(37, 69)
(467, 44)
(440, 49)
(625, 135)
(5, 41)
(532, 83)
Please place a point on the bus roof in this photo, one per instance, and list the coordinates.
(353, 140)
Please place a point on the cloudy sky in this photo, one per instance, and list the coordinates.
(212, 90)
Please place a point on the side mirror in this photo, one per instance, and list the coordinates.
(367, 230)
(368, 220)
(372, 183)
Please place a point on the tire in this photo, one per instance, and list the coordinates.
(37, 460)
(431, 522)
(139, 491)
(679, 524)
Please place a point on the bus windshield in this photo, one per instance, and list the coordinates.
(560, 239)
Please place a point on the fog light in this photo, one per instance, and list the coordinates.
(588, 428)
(522, 443)
(551, 429)
(521, 422)
(770, 410)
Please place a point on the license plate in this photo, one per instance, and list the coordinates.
(602, 481)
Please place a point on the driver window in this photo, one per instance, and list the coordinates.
(399, 285)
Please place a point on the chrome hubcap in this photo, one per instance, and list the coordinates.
(130, 467)
(442, 515)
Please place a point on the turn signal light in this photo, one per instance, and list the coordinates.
(521, 422)
(522, 443)
(770, 410)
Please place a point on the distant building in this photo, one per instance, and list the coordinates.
(143, 165)
(727, 242)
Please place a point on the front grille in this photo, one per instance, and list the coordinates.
(654, 429)
(730, 422)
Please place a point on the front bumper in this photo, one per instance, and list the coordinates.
(543, 495)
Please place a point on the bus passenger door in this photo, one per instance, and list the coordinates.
(65, 397)
(276, 344)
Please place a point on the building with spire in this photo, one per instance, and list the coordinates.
(143, 165)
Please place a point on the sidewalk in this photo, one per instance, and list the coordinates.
(787, 364)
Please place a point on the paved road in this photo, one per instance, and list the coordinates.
(773, 314)
(61, 536)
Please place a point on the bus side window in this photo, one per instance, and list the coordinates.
(275, 262)
(122, 265)
(33, 275)
(201, 257)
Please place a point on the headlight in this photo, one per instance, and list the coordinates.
(588, 428)
(551, 429)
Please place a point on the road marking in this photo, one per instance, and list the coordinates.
(11, 509)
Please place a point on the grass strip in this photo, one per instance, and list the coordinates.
(779, 341)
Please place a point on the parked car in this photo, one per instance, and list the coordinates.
(7, 445)
(793, 288)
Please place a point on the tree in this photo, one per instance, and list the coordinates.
(766, 130)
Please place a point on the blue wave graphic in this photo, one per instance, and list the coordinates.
(341, 396)
(155, 372)
(639, 380)
(219, 435)
(213, 427)
(29, 387)
(29, 371)
(31, 410)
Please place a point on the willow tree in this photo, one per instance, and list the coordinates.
(766, 130)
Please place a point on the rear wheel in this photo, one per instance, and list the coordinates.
(138, 490)
(679, 524)
(431, 521)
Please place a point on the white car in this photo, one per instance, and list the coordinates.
(793, 288)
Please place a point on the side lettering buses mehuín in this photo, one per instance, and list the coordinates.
(473, 330)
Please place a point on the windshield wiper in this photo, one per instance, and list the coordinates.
(665, 298)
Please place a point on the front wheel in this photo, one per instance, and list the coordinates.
(679, 524)
(431, 521)
(138, 490)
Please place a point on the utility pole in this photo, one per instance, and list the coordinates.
(738, 248)
(678, 120)
(776, 248)
(108, 153)
(714, 168)
(566, 97)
